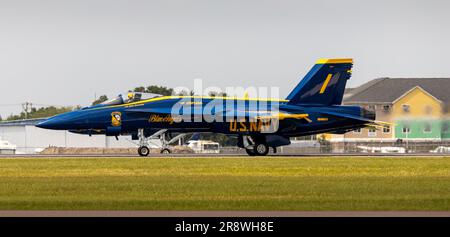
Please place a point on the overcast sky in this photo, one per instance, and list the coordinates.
(64, 52)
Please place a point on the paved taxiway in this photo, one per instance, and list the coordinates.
(224, 214)
(312, 155)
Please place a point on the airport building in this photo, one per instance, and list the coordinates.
(418, 109)
(29, 139)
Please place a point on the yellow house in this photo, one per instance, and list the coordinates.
(417, 107)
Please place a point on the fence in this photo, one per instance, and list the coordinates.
(412, 147)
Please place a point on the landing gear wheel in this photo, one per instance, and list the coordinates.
(165, 151)
(143, 151)
(250, 152)
(261, 149)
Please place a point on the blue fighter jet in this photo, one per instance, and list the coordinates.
(313, 107)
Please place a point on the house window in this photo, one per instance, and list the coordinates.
(406, 129)
(428, 109)
(357, 130)
(386, 129)
(427, 128)
(445, 127)
(371, 107)
(445, 109)
(406, 108)
(386, 108)
(372, 132)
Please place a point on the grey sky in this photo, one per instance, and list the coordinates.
(63, 52)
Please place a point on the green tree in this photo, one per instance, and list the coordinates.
(42, 112)
(218, 94)
(162, 90)
(100, 100)
(182, 93)
(186, 93)
(139, 89)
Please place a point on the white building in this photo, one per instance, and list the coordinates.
(30, 139)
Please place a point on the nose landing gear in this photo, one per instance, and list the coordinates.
(144, 141)
(143, 151)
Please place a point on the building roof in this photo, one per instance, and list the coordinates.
(387, 90)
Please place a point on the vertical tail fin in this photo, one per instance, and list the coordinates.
(324, 84)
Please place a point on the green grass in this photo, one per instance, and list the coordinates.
(225, 184)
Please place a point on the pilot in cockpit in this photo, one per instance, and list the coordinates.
(133, 97)
(130, 97)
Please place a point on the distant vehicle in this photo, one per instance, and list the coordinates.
(202, 146)
(441, 149)
(386, 149)
(38, 150)
(7, 148)
(313, 107)
(305, 143)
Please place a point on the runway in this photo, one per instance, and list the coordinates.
(224, 214)
(228, 155)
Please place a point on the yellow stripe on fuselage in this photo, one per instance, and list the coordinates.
(281, 116)
(138, 103)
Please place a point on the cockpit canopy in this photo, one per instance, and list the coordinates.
(131, 97)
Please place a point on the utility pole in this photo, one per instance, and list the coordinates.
(27, 108)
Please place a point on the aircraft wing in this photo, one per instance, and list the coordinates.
(233, 113)
(255, 115)
(282, 116)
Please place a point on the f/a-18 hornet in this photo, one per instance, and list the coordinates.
(313, 107)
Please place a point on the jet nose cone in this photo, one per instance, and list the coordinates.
(48, 124)
(66, 121)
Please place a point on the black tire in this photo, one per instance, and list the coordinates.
(261, 149)
(166, 151)
(143, 151)
(250, 152)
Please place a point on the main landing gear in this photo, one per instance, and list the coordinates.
(261, 149)
(144, 141)
(255, 147)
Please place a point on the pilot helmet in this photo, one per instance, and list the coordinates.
(130, 96)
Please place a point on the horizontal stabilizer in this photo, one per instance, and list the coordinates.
(370, 122)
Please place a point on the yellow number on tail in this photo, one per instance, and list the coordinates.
(325, 83)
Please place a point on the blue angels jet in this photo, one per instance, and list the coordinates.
(313, 107)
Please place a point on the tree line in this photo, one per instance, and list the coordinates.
(49, 111)
(42, 112)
